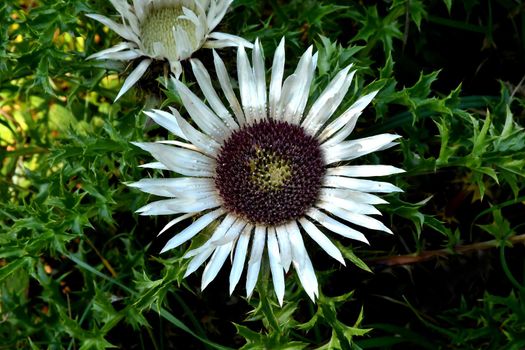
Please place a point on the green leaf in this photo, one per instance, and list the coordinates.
(500, 227)
(98, 343)
(12, 267)
(349, 254)
(248, 334)
(378, 28)
(480, 140)
(448, 4)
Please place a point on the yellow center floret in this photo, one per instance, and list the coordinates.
(157, 32)
(269, 171)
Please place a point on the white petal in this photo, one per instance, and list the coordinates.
(179, 205)
(355, 196)
(349, 116)
(294, 235)
(127, 14)
(359, 184)
(167, 121)
(296, 87)
(201, 8)
(322, 240)
(138, 6)
(353, 149)
(247, 86)
(276, 79)
(198, 260)
(327, 202)
(184, 46)
(224, 80)
(359, 219)
(121, 55)
(220, 44)
(117, 48)
(190, 231)
(315, 57)
(188, 187)
(214, 265)
(241, 250)
(231, 235)
(122, 30)
(176, 221)
(328, 101)
(307, 276)
(364, 170)
(134, 77)
(176, 68)
(218, 233)
(201, 27)
(211, 8)
(202, 114)
(259, 73)
(284, 246)
(220, 40)
(154, 165)
(336, 226)
(204, 143)
(182, 161)
(204, 81)
(302, 263)
(343, 133)
(254, 264)
(216, 14)
(190, 16)
(276, 266)
(159, 50)
(180, 144)
(283, 111)
(388, 145)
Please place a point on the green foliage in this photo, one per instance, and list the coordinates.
(80, 270)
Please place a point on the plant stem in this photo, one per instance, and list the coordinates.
(507, 271)
(266, 306)
(431, 254)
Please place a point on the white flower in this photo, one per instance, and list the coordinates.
(169, 30)
(269, 173)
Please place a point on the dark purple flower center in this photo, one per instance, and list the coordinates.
(269, 172)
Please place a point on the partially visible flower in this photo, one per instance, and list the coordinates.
(169, 30)
(269, 173)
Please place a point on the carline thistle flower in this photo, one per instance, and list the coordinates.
(267, 174)
(169, 30)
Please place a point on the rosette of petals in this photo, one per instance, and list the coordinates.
(264, 173)
(165, 30)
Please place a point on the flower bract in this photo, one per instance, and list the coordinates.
(170, 30)
(265, 173)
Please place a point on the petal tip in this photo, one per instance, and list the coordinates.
(164, 250)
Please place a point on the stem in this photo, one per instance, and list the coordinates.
(152, 338)
(457, 24)
(507, 271)
(317, 332)
(266, 306)
(105, 262)
(431, 254)
(198, 327)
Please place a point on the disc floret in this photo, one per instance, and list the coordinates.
(157, 31)
(269, 172)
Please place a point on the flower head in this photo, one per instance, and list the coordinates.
(268, 174)
(169, 30)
